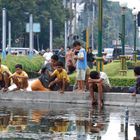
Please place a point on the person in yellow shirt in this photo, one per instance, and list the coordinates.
(62, 78)
(5, 74)
(20, 78)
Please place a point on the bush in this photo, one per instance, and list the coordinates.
(112, 69)
(72, 78)
(130, 64)
(122, 82)
(29, 65)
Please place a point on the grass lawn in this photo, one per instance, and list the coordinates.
(112, 70)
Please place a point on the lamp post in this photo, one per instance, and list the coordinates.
(99, 60)
(31, 40)
(3, 33)
(123, 70)
(135, 13)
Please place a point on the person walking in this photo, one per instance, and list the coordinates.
(90, 58)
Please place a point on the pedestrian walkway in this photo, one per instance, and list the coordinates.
(116, 99)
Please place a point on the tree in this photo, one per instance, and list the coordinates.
(18, 12)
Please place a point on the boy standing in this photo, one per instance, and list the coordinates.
(62, 79)
(20, 78)
(98, 82)
(81, 64)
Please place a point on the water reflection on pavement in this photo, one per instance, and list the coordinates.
(71, 123)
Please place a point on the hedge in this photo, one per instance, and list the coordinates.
(122, 82)
(30, 65)
(132, 64)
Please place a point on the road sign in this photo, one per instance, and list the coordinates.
(36, 27)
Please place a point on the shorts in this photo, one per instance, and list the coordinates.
(81, 74)
(105, 88)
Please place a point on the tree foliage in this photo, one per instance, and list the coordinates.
(111, 22)
(18, 12)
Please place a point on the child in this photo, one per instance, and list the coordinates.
(98, 82)
(41, 84)
(136, 89)
(20, 78)
(62, 79)
(81, 65)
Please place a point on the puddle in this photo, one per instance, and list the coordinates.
(70, 123)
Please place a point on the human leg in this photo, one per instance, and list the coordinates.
(17, 83)
(100, 94)
(91, 91)
(37, 86)
(6, 80)
(24, 83)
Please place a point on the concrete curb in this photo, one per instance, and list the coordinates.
(116, 99)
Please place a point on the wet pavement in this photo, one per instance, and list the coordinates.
(67, 122)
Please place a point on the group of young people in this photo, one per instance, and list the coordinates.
(54, 77)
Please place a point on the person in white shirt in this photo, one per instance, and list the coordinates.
(47, 55)
(98, 82)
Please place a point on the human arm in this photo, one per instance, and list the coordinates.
(95, 80)
(24, 75)
(63, 85)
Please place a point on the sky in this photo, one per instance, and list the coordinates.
(131, 3)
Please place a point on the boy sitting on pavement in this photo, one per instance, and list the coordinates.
(62, 78)
(20, 78)
(98, 82)
(5, 74)
(136, 89)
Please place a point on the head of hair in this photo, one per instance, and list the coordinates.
(137, 70)
(76, 43)
(60, 64)
(54, 57)
(18, 66)
(43, 69)
(94, 74)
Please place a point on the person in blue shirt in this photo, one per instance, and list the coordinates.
(81, 65)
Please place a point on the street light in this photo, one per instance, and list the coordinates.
(99, 60)
(135, 13)
(123, 5)
(123, 70)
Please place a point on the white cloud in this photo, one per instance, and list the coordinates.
(131, 3)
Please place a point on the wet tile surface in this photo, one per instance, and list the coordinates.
(68, 123)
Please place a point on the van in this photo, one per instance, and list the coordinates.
(21, 51)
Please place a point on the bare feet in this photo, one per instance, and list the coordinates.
(15, 89)
(133, 94)
(61, 92)
(5, 89)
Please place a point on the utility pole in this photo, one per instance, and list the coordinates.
(66, 41)
(75, 11)
(9, 37)
(51, 35)
(31, 35)
(3, 33)
(93, 18)
(66, 30)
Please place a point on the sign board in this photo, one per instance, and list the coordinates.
(36, 27)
